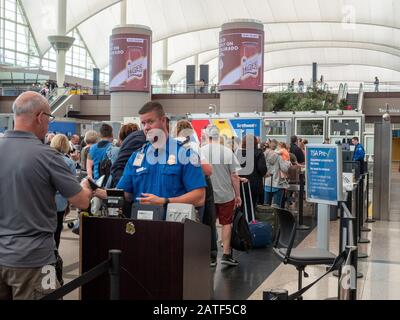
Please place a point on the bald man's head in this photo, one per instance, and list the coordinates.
(30, 102)
(32, 114)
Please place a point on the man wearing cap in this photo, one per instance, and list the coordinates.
(162, 171)
(226, 186)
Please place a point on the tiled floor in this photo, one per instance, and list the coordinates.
(381, 269)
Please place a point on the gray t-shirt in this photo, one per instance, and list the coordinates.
(224, 163)
(30, 175)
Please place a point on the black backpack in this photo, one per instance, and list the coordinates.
(105, 165)
(241, 236)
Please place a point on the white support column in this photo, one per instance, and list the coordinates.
(165, 54)
(61, 31)
(62, 17)
(123, 12)
(164, 74)
(165, 65)
(61, 67)
(196, 63)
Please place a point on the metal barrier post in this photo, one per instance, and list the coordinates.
(368, 219)
(114, 272)
(353, 251)
(361, 206)
(365, 203)
(301, 226)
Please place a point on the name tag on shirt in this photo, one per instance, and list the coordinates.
(140, 170)
(138, 160)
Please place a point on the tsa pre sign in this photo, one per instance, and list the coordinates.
(324, 174)
(130, 62)
(241, 59)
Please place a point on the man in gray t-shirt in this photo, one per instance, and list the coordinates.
(226, 186)
(30, 174)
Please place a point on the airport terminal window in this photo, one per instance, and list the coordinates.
(17, 45)
(310, 128)
(104, 75)
(276, 127)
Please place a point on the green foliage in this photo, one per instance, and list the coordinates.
(343, 104)
(313, 99)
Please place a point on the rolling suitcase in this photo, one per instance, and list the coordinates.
(261, 232)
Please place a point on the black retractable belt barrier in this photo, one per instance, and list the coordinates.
(112, 265)
(282, 294)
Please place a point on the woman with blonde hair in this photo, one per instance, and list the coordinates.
(61, 144)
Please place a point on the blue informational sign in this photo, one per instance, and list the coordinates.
(67, 128)
(244, 126)
(324, 174)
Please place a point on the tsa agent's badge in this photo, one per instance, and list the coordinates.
(138, 160)
(171, 160)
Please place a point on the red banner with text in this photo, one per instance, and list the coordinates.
(130, 62)
(241, 59)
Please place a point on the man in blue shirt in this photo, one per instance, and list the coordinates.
(98, 151)
(359, 153)
(162, 171)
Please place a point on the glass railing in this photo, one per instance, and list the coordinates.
(382, 87)
(342, 89)
(16, 91)
(184, 89)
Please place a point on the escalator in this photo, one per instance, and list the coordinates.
(59, 101)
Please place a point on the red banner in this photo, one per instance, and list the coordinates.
(199, 126)
(241, 59)
(130, 62)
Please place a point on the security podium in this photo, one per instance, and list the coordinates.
(160, 260)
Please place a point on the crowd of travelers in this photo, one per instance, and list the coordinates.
(51, 171)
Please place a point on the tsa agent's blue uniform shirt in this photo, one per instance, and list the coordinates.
(359, 153)
(156, 176)
(97, 152)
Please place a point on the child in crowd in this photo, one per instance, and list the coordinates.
(283, 151)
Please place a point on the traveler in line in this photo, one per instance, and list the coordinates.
(250, 150)
(91, 138)
(34, 173)
(226, 187)
(277, 171)
(98, 151)
(294, 148)
(185, 133)
(61, 144)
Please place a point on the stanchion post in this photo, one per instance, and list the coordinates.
(114, 272)
(360, 213)
(301, 225)
(353, 251)
(368, 219)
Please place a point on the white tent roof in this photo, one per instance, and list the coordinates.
(364, 34)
